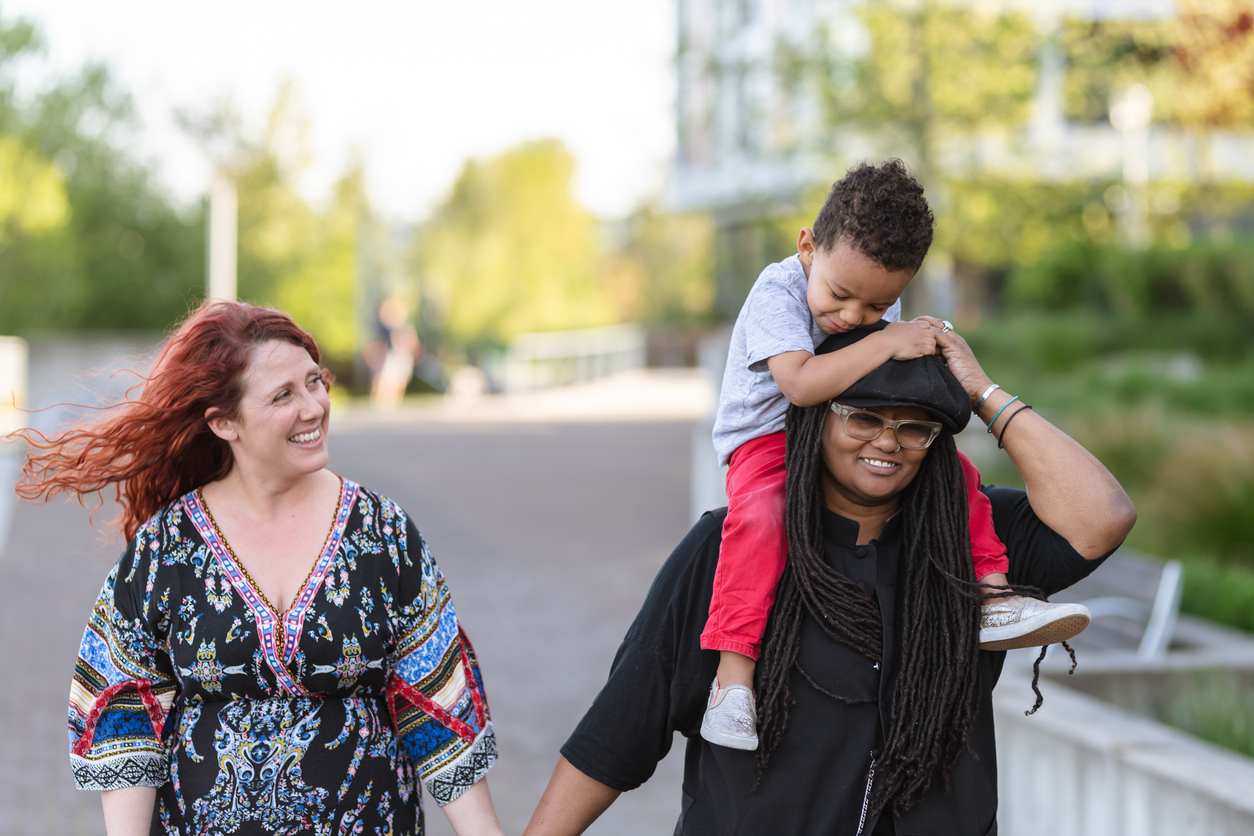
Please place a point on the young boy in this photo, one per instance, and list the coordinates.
(867, 243)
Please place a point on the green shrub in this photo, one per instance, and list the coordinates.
(1214, 707)
(1130, 443)
(1063, 281)
(1203, 495)
(1224, 594)
(1087, 363)
(1207, 279)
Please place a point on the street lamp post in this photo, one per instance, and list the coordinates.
(1130, 115)
(223, 238)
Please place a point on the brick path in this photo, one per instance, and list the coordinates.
(549, 535)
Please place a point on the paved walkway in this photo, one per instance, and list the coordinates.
(549, 534)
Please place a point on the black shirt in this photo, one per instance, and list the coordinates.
(817, 778)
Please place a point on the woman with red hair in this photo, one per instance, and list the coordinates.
(276, 651)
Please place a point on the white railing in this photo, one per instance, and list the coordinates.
(709, 479)
(1082, 767)
(559, 358)
(14, 374)
(14, 363)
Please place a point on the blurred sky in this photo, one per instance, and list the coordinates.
(415, 86)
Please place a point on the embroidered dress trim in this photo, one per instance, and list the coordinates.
(136, 769)
(156, 714)
(450, 782)
(397, 685)
(294, 618)
(278, 638)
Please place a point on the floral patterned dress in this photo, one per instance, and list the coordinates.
(319, 720)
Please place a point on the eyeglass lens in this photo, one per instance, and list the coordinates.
(868, 425)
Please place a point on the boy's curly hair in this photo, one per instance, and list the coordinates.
(881, 211)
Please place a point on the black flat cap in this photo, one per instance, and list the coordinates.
(925, 382)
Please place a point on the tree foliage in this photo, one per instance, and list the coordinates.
(662, 269)
(1199, 65)
(292, 254)
(929, 71)
(512, 251)
(87, 239)
(928, 80)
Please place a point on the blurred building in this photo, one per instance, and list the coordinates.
(748, 145)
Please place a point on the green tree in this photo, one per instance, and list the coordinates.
(18, 40)
(318, 290)
(32, 191)
(512, 251)
(932, 78)
(292, 255)
(87, 239)
(140, 262)
(1199, 65)
(931, 72)
(663, 270)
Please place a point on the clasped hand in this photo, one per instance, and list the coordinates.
(913, 339)
(956, 353)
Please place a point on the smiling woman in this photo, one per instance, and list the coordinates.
(276, 650)
(874, 692)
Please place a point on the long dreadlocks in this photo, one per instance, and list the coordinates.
(936, 696)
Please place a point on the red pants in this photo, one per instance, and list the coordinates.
(751, 558)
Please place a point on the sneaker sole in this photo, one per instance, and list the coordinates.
(731, 741)
(1052, 632)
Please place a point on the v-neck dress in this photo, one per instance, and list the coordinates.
(318, 720)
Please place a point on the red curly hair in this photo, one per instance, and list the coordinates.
(158, 446)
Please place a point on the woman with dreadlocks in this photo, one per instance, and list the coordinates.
(875, 698)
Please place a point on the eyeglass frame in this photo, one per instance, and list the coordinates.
(844, 411)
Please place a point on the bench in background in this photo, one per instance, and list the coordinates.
(1135, 602)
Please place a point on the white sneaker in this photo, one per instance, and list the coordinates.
(1026, 622)
(730, 719)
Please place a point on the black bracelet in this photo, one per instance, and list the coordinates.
(1006, 425)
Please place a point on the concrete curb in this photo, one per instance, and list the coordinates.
(1081, 767)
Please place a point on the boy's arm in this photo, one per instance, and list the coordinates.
(807, 379)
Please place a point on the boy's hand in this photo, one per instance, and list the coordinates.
(938, 324)
(909, 340)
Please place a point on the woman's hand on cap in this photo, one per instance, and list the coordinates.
(961, 361)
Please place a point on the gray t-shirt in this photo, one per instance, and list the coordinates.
(775, 319)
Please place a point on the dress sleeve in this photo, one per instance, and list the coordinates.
(123, 684)
(435, 691)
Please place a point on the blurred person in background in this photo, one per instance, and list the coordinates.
(876, 713)
(276, 650)
(394, 360)
(389, 385)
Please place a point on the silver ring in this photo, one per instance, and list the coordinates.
(949, 326)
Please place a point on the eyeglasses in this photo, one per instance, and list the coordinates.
(911, 434)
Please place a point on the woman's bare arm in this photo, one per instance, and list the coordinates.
(472, 813)
(571, 803)
(1069, 489)
(128, 811)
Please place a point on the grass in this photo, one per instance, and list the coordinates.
(1214, 708)
(1086, 364)
(1224, 594)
